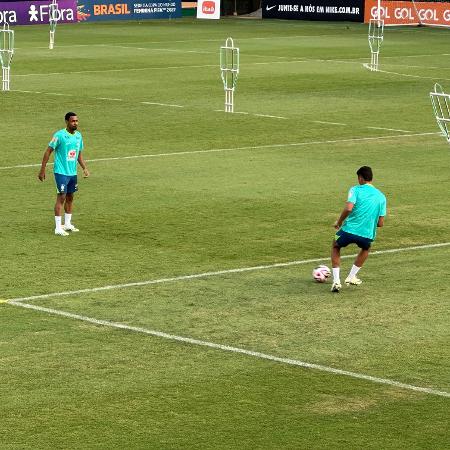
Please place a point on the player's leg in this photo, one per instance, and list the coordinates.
(358, 263)
(68, 205)
(59, 206)
(61, 190)
(336, 264)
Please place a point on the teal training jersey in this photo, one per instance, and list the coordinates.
(369, 205)
(66, 147)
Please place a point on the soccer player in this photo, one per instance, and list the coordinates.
(67, 145)
(363, 213)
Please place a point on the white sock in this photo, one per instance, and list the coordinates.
(67, 219)
(58, 223)
(336, 278)
(353, 271)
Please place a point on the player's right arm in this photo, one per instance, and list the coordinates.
(45, 159)
(344, 214)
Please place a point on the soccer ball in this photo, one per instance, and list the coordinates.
(321, 273)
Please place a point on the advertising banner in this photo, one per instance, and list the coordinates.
(99, 10)
(208, 9)
(333, 10)
(406, 13)
(36, 12)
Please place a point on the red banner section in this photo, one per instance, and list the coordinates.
(409, 13)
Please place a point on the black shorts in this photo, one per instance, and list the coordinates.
(343, 239)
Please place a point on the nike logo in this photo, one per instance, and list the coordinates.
(268, 8)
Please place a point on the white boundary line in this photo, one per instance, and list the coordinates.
(331, 123)
(227, 348)
(366, 65)
(216, 273)
(184, 41)
(187, 340)
(285, 60)
(169, 105)
(254, 147)
(389, 129)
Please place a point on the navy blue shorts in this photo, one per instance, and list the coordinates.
(66, 184)
(343, 239)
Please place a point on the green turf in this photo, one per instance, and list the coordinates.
(211, 191)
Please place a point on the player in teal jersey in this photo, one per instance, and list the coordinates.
(363, 213)
(67, 145)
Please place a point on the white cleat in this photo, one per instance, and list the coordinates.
(70, 228)
(353, 281)
(61, 232)
(336, 287)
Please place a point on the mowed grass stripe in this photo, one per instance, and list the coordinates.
(218, 273)
(227, 348)
(230, 149)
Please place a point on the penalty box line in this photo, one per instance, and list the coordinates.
(187, 340)
(242, 351)
(214, 273)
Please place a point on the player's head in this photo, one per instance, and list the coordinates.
(364, 174)
(71, 121)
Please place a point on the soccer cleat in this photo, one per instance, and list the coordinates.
(336, 287)
(61, 232)
(353, 281)
(70, 228)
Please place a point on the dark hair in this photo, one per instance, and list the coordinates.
(69, 115)
(365, 172)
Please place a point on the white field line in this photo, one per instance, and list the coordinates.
(389, 129)
(242, 351)
(231, 149)
(194, 66)
(408, 75)
(173, 50)
(417, 67)
(128, 69)
(183, 41)
(166, 105)
(286, 60)
(330, 123)
(270, 116)
(163, 104)
(109, 98)
(216, 273)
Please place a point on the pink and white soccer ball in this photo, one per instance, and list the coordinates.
(321, 273)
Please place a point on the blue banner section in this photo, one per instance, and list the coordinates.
(96, 10)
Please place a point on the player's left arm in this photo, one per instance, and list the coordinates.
(382, 215)
(82, 163)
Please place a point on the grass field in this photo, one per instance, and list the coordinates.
(162, 358)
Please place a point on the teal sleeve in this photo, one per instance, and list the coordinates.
(54, 142)
(351, 196)
(383, 208)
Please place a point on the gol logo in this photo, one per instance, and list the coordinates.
(209, 7)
